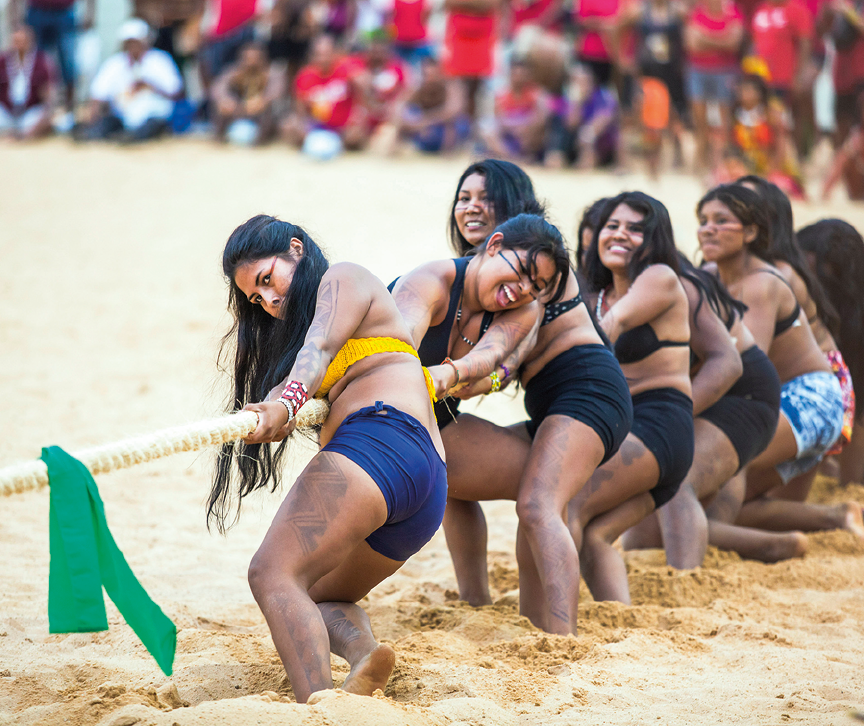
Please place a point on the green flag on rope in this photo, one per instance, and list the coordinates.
(84, 558)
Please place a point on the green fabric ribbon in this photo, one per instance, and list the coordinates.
(84, 558)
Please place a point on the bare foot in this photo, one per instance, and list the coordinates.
(853, 521)
(372, 672)
(784, 547)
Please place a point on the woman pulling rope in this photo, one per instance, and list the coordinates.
(374, 494)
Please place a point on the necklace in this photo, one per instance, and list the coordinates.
(601, 301)
(459, 319)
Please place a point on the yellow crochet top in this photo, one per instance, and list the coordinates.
(356, 349)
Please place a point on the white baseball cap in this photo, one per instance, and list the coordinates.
(134, 29)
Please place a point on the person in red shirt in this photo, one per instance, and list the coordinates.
(783, 38)
(597, 21)
(712, 37)
(408, 20)
(783, 33)
(469, 43)
(328, 94)
(384, 80)
(233, 26)
(521, 114)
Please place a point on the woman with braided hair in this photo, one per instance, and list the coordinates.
(376, 491)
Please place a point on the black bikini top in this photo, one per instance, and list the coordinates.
(639, 342)
(559, 308)
(791, 320)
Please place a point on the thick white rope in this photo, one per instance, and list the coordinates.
(128, 452)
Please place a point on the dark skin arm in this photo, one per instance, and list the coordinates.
(342, 304)
(720, 365)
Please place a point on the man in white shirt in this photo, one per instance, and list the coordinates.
(133, 94)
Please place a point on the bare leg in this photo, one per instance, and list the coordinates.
(466, 534)
(756, 544)
(602, 567)
(532, 598)
(682, 519)
(315, 552)
(623, 481)
(797, 489)
(780, 515)
(685, 529)
(726, 504)
(852, 457)
(484, 462)
(564, 455)
(646, 535)
(351, 638)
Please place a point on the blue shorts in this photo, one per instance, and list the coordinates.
(219, 53)
(711, 86)
(395, 449)
(813, 405)
(55, 30)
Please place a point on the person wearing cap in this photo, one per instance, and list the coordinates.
(133, 93)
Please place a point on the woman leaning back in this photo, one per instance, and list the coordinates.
(787, 256)
(734, 234)
(374, 494)
(580, 412)
(633, 266)
(736, 403)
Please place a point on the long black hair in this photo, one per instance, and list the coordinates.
(838, 258)
(509, 192)
(532, 234)
(589, 221)
(749, 208)
(658, 240)
(264, 348)
(709, 288)
(784, 245)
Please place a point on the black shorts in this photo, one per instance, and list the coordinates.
(748, 413)
(446, 411)
(586, 384)
(663, 421)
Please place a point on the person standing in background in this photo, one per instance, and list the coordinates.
(53, 23)
(177, 26)
(783, 33)
(469, 43)
(227, 26)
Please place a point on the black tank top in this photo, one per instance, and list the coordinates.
(435, 346)
(661, 46)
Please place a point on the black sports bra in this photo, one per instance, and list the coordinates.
(639, 342)
(555, 309)
(791, 320)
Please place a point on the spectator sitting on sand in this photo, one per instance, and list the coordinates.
(385, 80)
(434, 118)
(328, 95)
(244, 97)
(26, 88)
(588, 131)
(133, 94)
(521, 115)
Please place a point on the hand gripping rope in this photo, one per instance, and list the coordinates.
(128, 452)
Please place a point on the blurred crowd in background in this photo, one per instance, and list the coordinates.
(720, 87)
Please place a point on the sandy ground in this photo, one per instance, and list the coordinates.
(111, 309)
